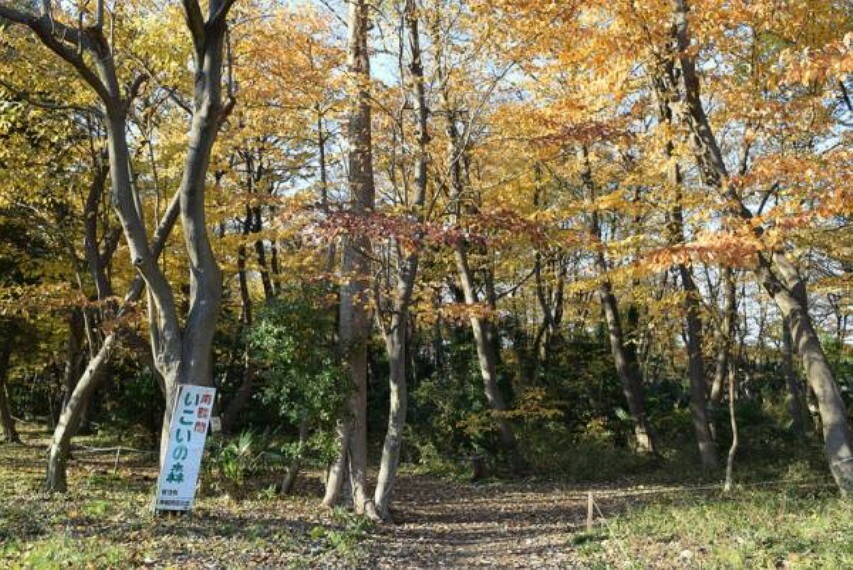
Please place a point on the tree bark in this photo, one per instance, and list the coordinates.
(94, 260)
(10, 433)
(627, 369)
(487, 359)
(696, 371)
(244, 390)
(794, 397)
(663, 83)
(338, 471)
(727, 334)
(730, 461)
(72, 413)
(73, 349)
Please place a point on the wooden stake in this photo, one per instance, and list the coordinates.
(590, 515)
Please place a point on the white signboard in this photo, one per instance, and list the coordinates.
(187, 433)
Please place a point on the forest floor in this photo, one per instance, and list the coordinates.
(105, 522)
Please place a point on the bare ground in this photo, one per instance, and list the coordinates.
(501, 525)
(437, 524)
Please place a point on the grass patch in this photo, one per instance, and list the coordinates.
(768, 528)
(66, 552)
(104, 521)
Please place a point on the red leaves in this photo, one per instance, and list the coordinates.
(481, 228)
(726, 249)
(584, 133)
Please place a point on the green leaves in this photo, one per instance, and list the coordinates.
(293, 343)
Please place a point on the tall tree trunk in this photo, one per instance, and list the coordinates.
(663, 83)
(486, 355)
(73, 411)
(10, 434)
(354, 323)
(696, 371)
(775, 271)
(94, 260)
(396, 337)
(395, 348)
(188, 358)
(73, 350)
(242, 396)
(244, 390)
(487, 359)
(625, 360)
(730, 460)
(627, 369)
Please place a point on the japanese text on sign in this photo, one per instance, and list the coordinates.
(187, 433)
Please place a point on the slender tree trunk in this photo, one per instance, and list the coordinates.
(73, 411)
(96, 264)
(730, 461)
(721, 366)
(486, 355)
(625, 360)
(396, 337)
(774, 270)
(628, 370)
(794, 398)
(354, 323)
(10, 434)
(73, 349)
(244, 390)
(395, 346)
(696, 371)
(242, 396)
(487, 360)
(727, 335)
(663, 83)
(725, 365)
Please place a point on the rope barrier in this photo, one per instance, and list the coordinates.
(717, 487)
(83, 449)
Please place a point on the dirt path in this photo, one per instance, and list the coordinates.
(447, 525)
(438, 523)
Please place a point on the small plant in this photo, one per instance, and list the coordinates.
(229, 462)
(268, 493)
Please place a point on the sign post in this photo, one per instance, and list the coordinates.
(187, 433)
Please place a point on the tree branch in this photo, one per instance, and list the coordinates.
(219, 16)
(195, 22)
(25, 97)
(59, 38)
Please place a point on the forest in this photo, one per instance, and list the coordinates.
(477, 283)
